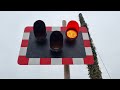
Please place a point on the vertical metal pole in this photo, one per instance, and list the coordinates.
(66, 67)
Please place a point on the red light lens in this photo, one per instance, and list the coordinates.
(71, 34)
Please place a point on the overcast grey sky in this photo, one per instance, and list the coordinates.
(104, 29)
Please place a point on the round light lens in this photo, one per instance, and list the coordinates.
(72, 34)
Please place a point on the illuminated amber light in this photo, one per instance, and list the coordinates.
(71, 34)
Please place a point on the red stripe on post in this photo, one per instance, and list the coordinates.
(86, 43)
(67, 61)
(89, 60)
(28, 29)
(63, 28)
(83, 29)
(24, 43)
(22, 60)
(48, 28)
(45, 61)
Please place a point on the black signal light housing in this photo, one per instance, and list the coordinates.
(56, 41)
(39, 29)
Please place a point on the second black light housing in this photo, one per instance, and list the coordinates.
(39, 28)
(56, 41)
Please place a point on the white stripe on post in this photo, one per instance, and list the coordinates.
(34, 61)
(56, 29)
(78, 61)
(26, 36)
(23, 51)
(56, 61)
(85, 36)
(88, 51)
